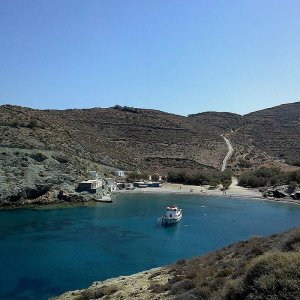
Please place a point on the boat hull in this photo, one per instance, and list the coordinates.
(165, 221)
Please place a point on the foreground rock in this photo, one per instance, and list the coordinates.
(137, 286)
(259, 268)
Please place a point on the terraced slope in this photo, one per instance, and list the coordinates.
(133, 139)
(271, 134)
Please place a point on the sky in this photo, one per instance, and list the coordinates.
(178, 56)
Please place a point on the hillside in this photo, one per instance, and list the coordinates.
(42, 150)
(258, 268)
(275, 130)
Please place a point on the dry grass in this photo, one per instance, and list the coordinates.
(270, 276)
(238, 270)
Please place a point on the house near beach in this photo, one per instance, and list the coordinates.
(296, 195)
(119, 173)
(91, 186)
(111, 184)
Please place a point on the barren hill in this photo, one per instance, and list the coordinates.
(268, 135)
(46, 148)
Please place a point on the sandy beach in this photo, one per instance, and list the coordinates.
(233, 191)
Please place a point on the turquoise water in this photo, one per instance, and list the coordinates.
(46, 252)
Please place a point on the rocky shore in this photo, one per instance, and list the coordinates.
(30, 177)
(259, 268)
(137, 286)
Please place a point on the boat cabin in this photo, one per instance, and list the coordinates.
(172, 211)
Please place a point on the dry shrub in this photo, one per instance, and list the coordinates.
(271, 276)
(182, 286)
(291, 242)
(91, 294)
(158, 288)
(62, 159)
(109, 290)
(38, 156)
(154, 275)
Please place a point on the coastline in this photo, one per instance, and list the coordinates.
(173, 188)
(234, 191)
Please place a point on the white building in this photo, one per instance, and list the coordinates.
(119, 173)
(89, 185)
(111, 184)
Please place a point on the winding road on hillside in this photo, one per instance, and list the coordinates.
(229, 153)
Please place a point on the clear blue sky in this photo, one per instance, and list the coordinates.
(180, 56)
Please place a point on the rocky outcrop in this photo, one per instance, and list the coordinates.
(30, 176)
(143, 285)
(283, 191)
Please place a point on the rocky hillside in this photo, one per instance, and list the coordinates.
(46, 149)
(259, 268)
(276, 131)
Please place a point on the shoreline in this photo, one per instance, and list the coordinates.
(234, 191)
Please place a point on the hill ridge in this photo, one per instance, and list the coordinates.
(140, 139)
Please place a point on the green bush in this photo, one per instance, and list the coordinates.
(155, 177)
(126, 108)
(212, 178)
(137, 176)
(267, 177)
(243, 163)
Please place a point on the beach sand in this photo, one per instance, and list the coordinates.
(233, 191)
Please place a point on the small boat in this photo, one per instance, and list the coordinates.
(173, 215)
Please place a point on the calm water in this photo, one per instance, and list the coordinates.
(46, 252)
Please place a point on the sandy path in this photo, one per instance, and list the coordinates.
(229, 153)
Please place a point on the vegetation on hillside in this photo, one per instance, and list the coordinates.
(268, 177)
(212, 178)
(126, 108)
(271, 276)
(254, 269)
(133, 176)
(293, 161)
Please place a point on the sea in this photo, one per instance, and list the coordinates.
(47, 251)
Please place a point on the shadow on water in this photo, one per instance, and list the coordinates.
(102, 233)
(32, 288)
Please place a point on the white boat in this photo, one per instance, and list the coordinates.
(173, 215)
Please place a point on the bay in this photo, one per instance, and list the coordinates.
(45, 252)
